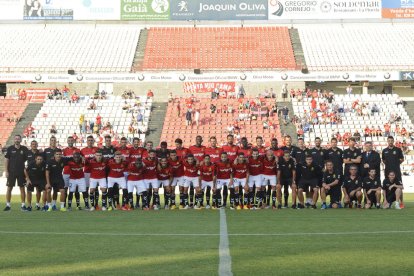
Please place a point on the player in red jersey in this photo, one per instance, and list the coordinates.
(164, 175)
(231, 148)
(150, 177)
(207, 180)
(88, 154)
(116, 168)
(213, 150)
(77, 180)
(240, 176)
(134, 153)
(182, 153)
(260, 146)
(255, 178)
(124, 150)
(136, 171)
(191, 178)
(178, 175)
(245, 147)
(269, 177)
(224, 178)
(198, 149)
(97, 168)
(278, 152)
(68, 154)
(149, 145)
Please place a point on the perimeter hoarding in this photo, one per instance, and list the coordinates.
(219, 10)
(143, 10)
(324, 9)
(398, 9)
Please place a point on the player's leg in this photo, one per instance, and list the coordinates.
(225, 189)
(172, 194)
(77, 198)
(301, 189)
(156, 196)
(217, 193)
(92, 187)
(72, 188)
(286, 196)
(359, 195)
(82, 189)
(324, 193)
(29, 194)
(110, 194)
(115, 195)
(208, 196)
(315, 196)
(279, 194)
(398, 198)
(378, 198)
(181, 188)
(246, 196)
(191, 195)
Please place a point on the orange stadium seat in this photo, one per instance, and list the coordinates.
(7, 108)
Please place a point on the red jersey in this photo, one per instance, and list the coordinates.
(125, 153)
(150, 169)
(262, 151)
(75, 170)
(135, 153)
(198, 152)
(278, 152)
(135, 174)
(182, 153)
(68, 153)
(116, 170)
(214, 154)
(232, 151)
(269, 167)
(247, 151)
(240, 170)
(88, 154)
(255, 166)
(223, 170)
(97, 169)
(207, 172)
(164, 173)
(177, 167)
(190, 170)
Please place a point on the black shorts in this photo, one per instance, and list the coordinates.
(335, 194)
(390, 196)
(58, 185)
(11, 180)
(284, 182)
(372, 197)
(351, 198)
(40, 186)
(305, 184)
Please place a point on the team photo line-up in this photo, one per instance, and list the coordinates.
(254, 177)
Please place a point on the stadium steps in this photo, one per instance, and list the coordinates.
(156, 122)
(410, 110)
(27, 117)
(289, 129)
(140, 51)
(297, 48)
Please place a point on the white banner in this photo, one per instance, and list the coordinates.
(324, 9)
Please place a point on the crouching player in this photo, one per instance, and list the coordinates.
(240, 176)
(392, 188)
(309, 176)
(36, 178)
(352, 187)
(372, 190)
(331, 185)
(286, 173)
(136, 171)
(54, 178)
(77, 180)
(207, 180)
(97, 169)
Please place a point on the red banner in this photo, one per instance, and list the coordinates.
(206, 87)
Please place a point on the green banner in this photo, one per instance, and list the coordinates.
(145, 10)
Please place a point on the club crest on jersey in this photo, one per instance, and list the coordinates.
(21, 152)
(334, 175)
(355, 154)
(394, 152)
(312, 168)
(338, 153)
(321, 153)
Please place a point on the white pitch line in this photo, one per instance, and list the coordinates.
(224, 250)
(203, 234)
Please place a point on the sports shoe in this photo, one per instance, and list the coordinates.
(97, 208)
(201, 206)
(124, 208)
(50, 209)
(92, 209)
(155, 207)
(280, 206)
(173, 207)
(103, 208)
(137, 206)
(87, 208)
(214, 208)
(196, 207)
(285, 206)
(29, 209)
(313, 206)
(23, 209)
(238, 207)
(378, 206)
(231, 207)
(245, 207)
(7, 208)
(208, 206)
(402, 205)
(78, 208)
(181, 207)
(274, 207)
(300, 206)
(54, 208)
(110, 208)
(307, 204)
(63, 209)
(37, 208)
(323, 207)
(397, 205)
(186, 207)
(118, 207)
(69, 208)
(145, 208)
(45, 208)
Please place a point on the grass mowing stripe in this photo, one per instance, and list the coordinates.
(224, 250)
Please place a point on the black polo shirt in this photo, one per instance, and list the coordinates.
(336, 156)
(37, 172)
(17, 159)
(286, 168)
(369, 183)
(391, 158)
(328, 177)
(300, 155)
(348, 153)
(318, 156)
(310, 172)
(49, 154)
(293, 150)
(352, 184)
(31, 156)
(55, 170)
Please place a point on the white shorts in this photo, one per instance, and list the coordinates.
(163, 183)
(178, 181)
(66, 180)
(151, 183)
(87, 179)
(271, 178)
(239, 182)
(255, 179)
(93, 183)
(220, 183)
(205, 184)
(77, 183)
(138, 185)
(188, 181)
(120, 181)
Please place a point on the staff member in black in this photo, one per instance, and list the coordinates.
(370, 160)
(293, 150)
(54, 178)
(286, 176)
(16, 156)
(48, 155)
(392, 157)
(31, 156)
(352, 156)
(36, 178)
(309, 175)
(335, 154)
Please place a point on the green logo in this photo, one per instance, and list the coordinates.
(142, 10)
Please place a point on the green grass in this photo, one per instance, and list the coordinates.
(291, 249)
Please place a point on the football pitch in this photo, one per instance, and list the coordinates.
(208, 242)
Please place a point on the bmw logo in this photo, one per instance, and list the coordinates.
(79, 77)
(387, 76)
(284, 77)
(345, 76)
(182, 77)
(326, 6)
(38, 77)
(141, 77)
(243, 77)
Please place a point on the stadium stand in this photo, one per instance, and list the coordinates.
(121, 114)
(216, 48)
(362, 47)
(58, 48)
(230, 116)
(11, 111)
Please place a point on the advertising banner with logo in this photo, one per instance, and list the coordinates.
(206, 87)
(398, 9)
(47, 10)
(407, 75)
(144, 10)
(219, 10)
(324, 9)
